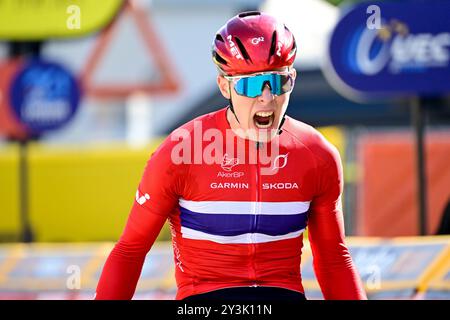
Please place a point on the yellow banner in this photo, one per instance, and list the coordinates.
(42, 19)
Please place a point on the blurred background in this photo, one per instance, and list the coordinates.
(104, 82)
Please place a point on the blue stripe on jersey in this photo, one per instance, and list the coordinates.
(236, 224)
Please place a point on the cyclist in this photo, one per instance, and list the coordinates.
(240, 185)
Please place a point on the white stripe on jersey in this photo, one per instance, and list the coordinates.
(245, 238)
(245, 207)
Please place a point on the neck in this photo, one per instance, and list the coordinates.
(234, 125)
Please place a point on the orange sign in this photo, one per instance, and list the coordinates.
(387, 201)
(9, 124)
(167, 82)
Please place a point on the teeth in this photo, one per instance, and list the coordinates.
(264, 114)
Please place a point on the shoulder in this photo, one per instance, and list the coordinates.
(328, 161)
(313, 140)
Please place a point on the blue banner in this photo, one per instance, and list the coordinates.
(44, 95)
(389, 49)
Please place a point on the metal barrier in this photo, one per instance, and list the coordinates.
(396, 268)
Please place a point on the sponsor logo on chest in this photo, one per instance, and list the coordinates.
(279, 185)
(265, 185)
(229, 185)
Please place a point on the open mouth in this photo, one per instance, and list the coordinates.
(263, 119)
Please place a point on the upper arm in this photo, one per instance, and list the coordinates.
(333, 265)
(326, 218)
(155, 198)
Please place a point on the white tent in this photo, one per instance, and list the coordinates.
(311, 22)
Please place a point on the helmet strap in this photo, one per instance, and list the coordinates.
(231, 104)
(281, 123)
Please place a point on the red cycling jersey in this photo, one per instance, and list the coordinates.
(238, 221)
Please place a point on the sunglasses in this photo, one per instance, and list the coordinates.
(252, 85)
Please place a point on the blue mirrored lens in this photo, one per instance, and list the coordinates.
(253, 86)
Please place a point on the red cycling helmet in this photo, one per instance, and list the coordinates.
(253, 42)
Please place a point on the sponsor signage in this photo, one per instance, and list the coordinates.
(388, 49)
(44, 95)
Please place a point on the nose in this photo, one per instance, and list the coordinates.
(266, 95)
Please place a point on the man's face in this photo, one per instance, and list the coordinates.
(259, 117)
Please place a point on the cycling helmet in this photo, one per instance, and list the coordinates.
(253, 42)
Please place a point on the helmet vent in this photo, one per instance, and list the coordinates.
(219, 38)
(219, 59)
(242, 49)
(294, 45)
(249, 13)
(293, 49)
(273, 44)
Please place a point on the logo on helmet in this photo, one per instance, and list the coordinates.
(257, 40)
(233, 48)
(279, 46)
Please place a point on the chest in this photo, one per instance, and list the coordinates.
(288, 175)
(248, 198)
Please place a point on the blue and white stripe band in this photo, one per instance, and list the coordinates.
(242, 222)
(245, 207)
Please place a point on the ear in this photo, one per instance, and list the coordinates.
(294, 73)
(224, 86)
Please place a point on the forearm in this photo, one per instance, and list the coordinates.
(124, 264)
(121, 272)
(337, 274)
